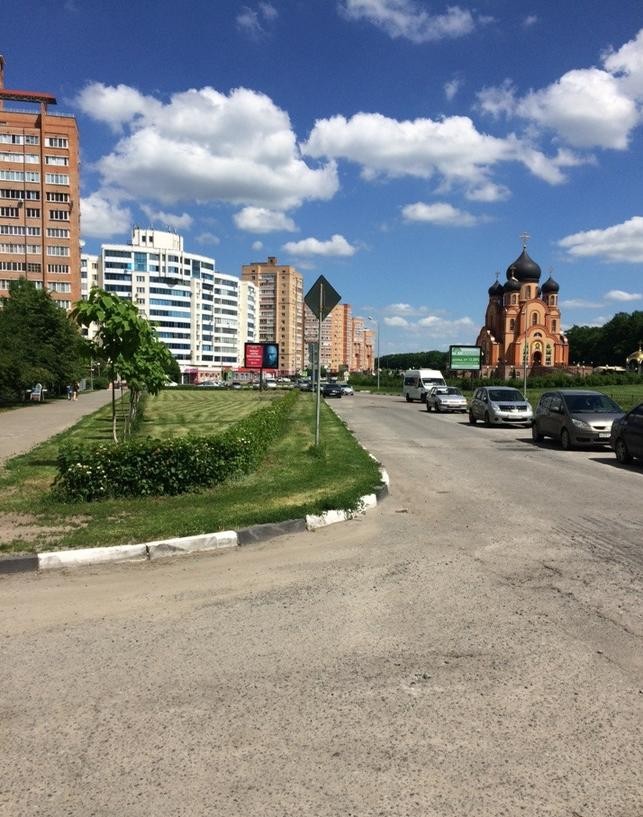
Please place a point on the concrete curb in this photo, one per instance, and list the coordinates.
(151, 551)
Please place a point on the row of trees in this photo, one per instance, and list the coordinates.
(607, 345)
(41, 343)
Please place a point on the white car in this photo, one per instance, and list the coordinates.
(447, 398)
(347, 390)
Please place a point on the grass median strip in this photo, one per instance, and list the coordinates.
(294, 479)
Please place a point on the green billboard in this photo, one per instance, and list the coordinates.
(465, 358)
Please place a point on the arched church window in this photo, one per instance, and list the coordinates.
(553, 326)
(528, 292)
(514, 299)
(534, 319)
(548, 355)
(512, 325)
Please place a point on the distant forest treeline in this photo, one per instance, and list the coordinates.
(607, 345)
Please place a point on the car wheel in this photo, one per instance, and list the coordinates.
(565, 440)
(487, 419)
(437, 408)
(622, 454)
(472, 419)
(409, 399)
(428, 406)
(536, 436)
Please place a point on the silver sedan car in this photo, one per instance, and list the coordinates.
(495, 405)
(445, 398)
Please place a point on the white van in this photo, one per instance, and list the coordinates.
(417, 382)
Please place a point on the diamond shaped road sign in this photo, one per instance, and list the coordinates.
(321, 298)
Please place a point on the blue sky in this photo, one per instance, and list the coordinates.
(398, 147)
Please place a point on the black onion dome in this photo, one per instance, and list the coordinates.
(550, 286)
(512, 285)
(495, 290)
(525, 269)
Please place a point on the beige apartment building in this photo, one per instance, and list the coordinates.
(346, 342)
(39, 194)
(280, 292)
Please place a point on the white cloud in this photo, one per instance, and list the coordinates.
(252, 21)
(440, 213)
(400, 308)
(405, 18)
(208, 238)
(452, 87)
(488, 192)
(257, 245)
(586, 107)
(102, 216)
(498, 100)
(624, 297)
(262, 220)
(181, 222)
(530, 20)
(627, 65)
(621, 242)
(203, 145)
(337, 245)
(396, 320)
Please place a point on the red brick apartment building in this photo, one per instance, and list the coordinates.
(39, 194)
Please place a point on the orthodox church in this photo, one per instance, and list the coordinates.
(522, 323)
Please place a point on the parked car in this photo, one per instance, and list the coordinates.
(347, 390)
(627, 435)
(575, 417)
(499, 404)
(209, 384)
(445, 399)
(331, 390)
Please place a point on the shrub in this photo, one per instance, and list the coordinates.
(151, 467)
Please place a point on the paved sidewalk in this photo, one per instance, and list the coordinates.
(23, 428)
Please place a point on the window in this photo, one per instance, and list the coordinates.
(59, 286)
(20, 158)
(56, 142)
(512, 325)
(19, 176)
(57, 232)
(56, 178)
(534, 319)
(60, 161)
(553, 326)
(10, 229)
(11, 193)
(60, 269)
(33, 212)
(59, 215)
(58, 196)
(57, 249)
(8, 212)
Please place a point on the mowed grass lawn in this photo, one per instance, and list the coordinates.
(295, 478)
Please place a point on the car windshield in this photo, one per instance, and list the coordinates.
(453, 390)
(506, 396)
(590, 404)
(432, 381)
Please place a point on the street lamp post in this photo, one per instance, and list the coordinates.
(525, 355)
(377, 329)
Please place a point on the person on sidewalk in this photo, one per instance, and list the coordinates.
(74, 389)
(69, 391)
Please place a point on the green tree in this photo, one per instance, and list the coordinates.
(127, 345)
(39, 343)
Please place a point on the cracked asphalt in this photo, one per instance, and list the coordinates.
(471, 647)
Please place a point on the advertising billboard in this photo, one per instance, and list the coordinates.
(465, 358)
(261, 355)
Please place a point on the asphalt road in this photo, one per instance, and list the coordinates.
(471, 647)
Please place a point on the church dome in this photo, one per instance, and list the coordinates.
(550, 286)
(495, 290)
(525, 269)
(512, 285)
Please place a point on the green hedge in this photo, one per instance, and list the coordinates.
(151, 467)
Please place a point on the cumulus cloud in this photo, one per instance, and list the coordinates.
(530, 20)
(580, 303)
(406, 19)
(262, 220)
(452, 87)
(621, 242)
(451, 148)
(257, 245)
(624, 297)
(586, 107)
(182, 222)
(440, 213)
(337, 245)
(203, 145)
(396, 320)
(102, 216)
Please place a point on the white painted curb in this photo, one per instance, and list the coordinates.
(88, 556)
(331, 517)
(192, 544)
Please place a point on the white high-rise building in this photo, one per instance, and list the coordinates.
(203, 316)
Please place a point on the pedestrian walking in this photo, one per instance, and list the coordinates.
(74, 389)
(69, 391)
